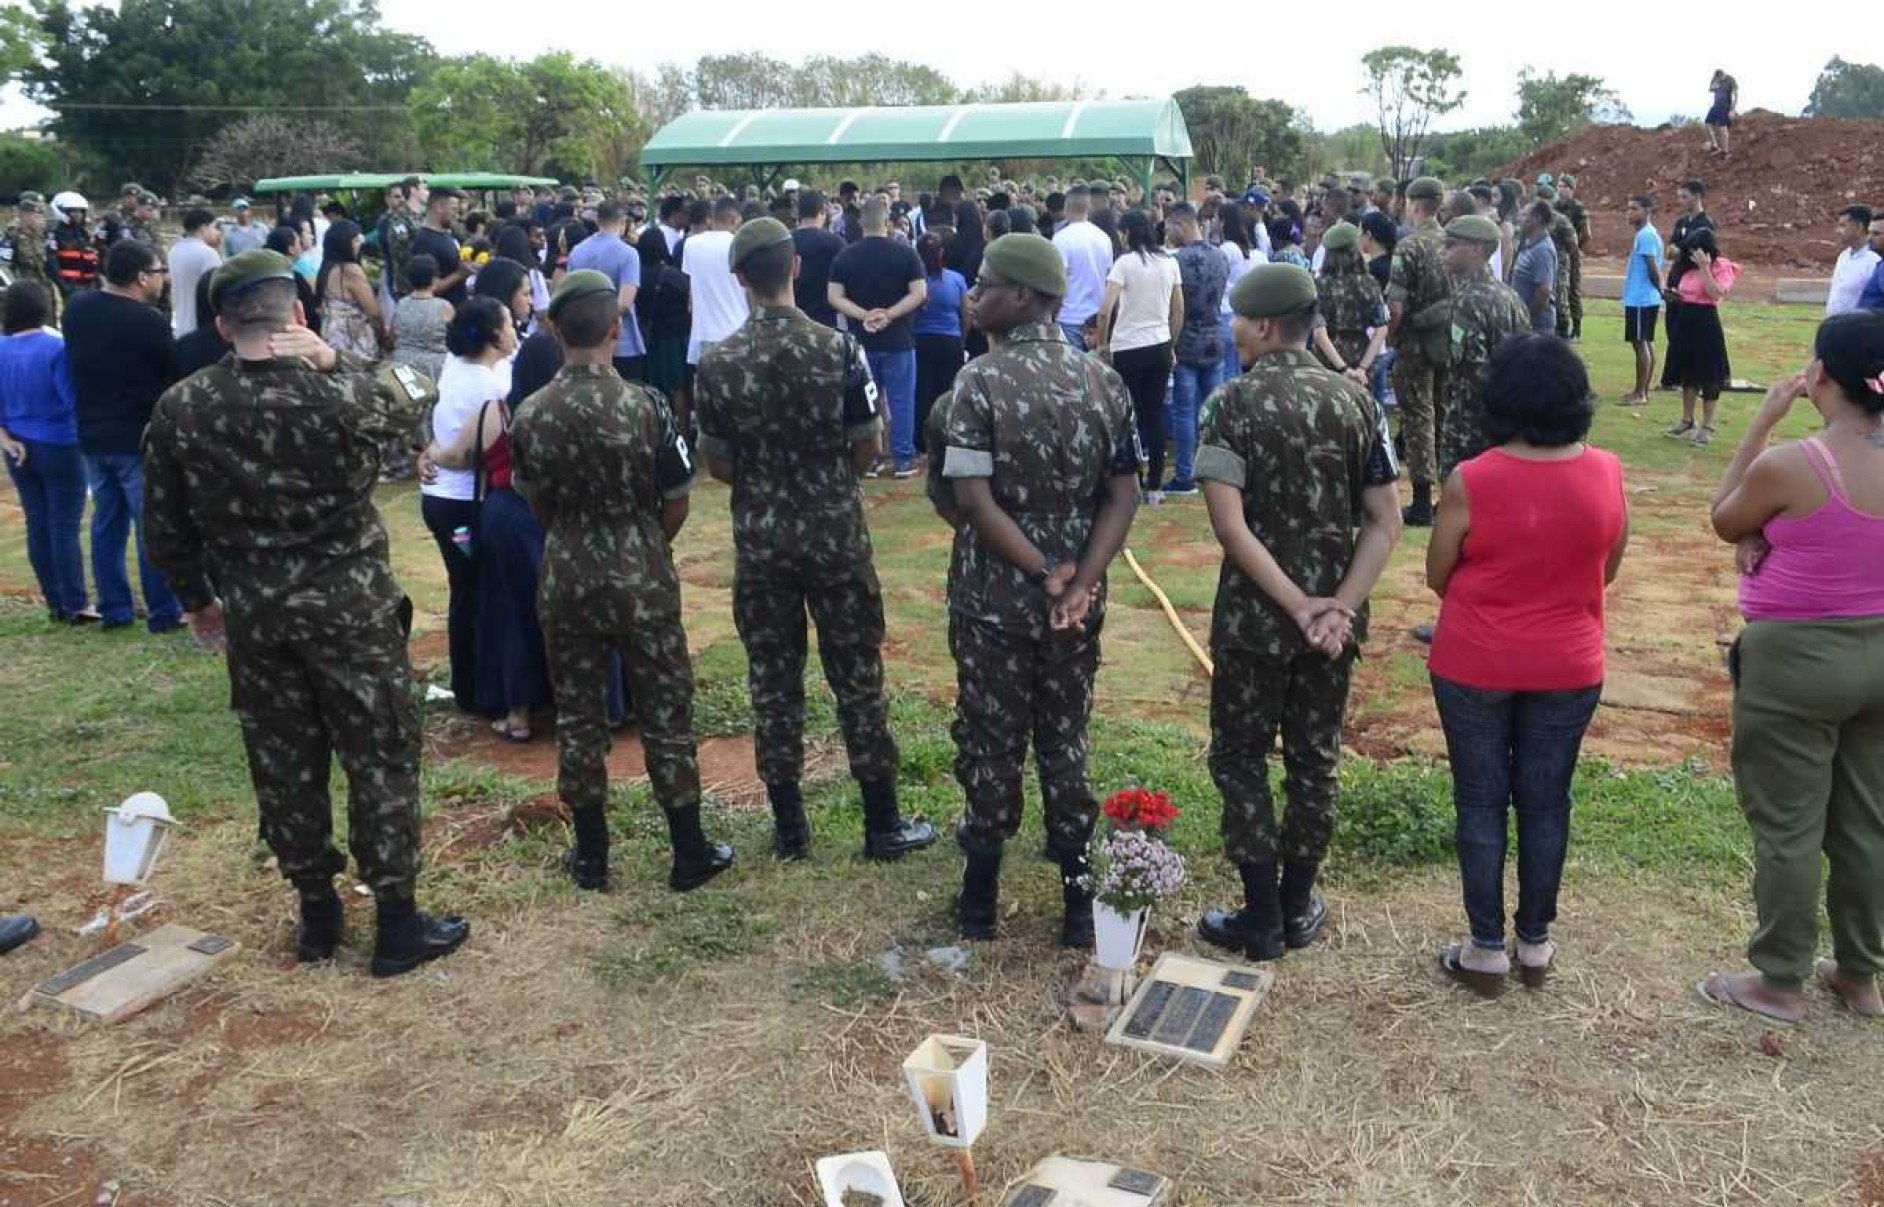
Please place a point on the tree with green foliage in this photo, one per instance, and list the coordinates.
(20, 42)
(28, 163)
(554, 115)
(1848, 90)
(1409, 87)
(1231, 131)
(146, 84)
(1553, 107)
(1468, 154)
(744, 81)
(871, 79)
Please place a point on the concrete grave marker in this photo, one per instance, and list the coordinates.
(1192, 1009)
(119, 982)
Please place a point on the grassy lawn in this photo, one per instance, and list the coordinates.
(658, 1050)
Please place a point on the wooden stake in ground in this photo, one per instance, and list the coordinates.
(971, 1181)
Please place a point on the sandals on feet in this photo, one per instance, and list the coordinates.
(1487, 985)
(1828, 970)
(1536, 976)
(1703, 436)
(1680, 430)
(1716, 989)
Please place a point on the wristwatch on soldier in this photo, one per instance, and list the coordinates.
(1047, 567)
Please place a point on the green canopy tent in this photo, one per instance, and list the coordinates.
(1138, 135)
(385, 180)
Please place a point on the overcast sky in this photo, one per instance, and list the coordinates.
(1645, 59)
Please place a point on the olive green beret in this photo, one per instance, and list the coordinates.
(33, 195)
(1567, 181)
(1386, 184)
(1028, 260)
(249, 268)
(583, 283)
(1546, 192)
(1426, 188)
(757, 235)
(1341, 236)
(1268, 290)
(1471, 227)
(28, 205)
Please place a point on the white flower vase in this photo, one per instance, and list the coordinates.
(1117, 936)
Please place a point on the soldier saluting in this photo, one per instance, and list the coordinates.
(259, 475)
(1042, 457)
(1294, 462)
(789, 416)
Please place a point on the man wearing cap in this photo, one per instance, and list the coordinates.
(1563, 237)
(242, 233)
(1484, 311)
(297, 586)
(142, 224)
(1417, 285)
(1349, 307)
(26, 244)
(1295, 460)
(1042, 458)
(1579, 215)
(607, 473)
(789, 417)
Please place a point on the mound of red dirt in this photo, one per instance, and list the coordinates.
(1776, 200)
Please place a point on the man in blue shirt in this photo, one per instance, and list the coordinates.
(1534, 269)
(1873, 296)
(609, 254)
(1642, 286)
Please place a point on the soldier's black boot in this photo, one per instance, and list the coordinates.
(1304, 913)
(1256, 929)
(409, 937)
(696, 860)
(321, 920)
(791, 832)
(1420, 513)
(978, 905)
(1076, 929)
(587, 861)
(888, 835)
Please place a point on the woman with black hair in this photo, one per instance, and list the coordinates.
(1808, 673)
(511, 241)
(289, 241)
(1526, 540)
(1697, 345)
(507, 283)
(940, 327)
(1242, 253)
(349, 309)
(969, 242)
(1142, 311)
(661, 309)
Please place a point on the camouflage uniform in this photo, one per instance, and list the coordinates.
(1563, 234)
(1484, 312)
(1348, 305)
(596, 456)
(783, 399)
(30, 261)
(258, 488)
(1418, 281)
(1579, 216)
(1048, 427)
(1302, 444)
(400, 227)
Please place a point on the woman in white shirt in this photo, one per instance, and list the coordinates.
(1144, 304)
(1240, 249)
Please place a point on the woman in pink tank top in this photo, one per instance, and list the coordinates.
(1808, 671)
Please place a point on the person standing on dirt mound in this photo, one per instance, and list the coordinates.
(1042, 462)
(297, 586)
(607, 473)
(1294, 461)
(1720, 116)
(790, 417)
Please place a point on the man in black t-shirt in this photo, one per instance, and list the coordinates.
(877, 284)
(817, 249)
(436, 240)
(1692, 196)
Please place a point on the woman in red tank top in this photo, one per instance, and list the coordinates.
(1525, 541)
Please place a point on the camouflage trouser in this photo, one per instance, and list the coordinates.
(1420, 387)
(1009, 686)
(1560, 293)
(1251, 697)
(303, 701)
(660, 681)
(769, 609)
(1575, 290)
(1462, 430)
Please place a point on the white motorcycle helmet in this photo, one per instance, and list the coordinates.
(64, 203)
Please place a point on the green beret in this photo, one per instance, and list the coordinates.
(1386, 184)
(32, 195)
(1268, 290)
(1426, 188)
(248, 269)
(1028, 260)
(1569, 182)
(583, 283)
(1546, 192)
(28, 205)
(756, 235)
(1471, 227)
(1341, 236)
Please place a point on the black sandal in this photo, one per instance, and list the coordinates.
(1487, 985)
(1536, 976)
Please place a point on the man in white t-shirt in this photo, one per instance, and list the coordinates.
(194, 256)
(1856, 261)
(1088, 255)
(716, 301)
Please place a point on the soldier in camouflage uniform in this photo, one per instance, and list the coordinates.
(313, 622)
(1042, 455)
(788, 416)
(1484, 312)
(1294, 460)
(26, 243)
(1579, 215)
(607, 473)
(405, 201)
(1417, 288)
(1563, 237)
(1350, 308)
(141, 225)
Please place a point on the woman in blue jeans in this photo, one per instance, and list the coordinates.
(1527, 538)
(39, 438)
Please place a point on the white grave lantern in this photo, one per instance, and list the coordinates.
(861, 1176)
(135, 833)
(948, 1081)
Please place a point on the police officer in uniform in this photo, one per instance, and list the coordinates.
(1042, 459)
(1484, 312)
(789, 417)
(75, 255)
(607, 473)
(1416, 284)
(1294, 460)
(297, 585)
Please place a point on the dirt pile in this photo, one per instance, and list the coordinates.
(1775, 200)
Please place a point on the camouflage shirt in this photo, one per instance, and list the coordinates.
(1302, 444)
(1417, 278)
(1579, 216)
(1347, 306)
(396, 245)
(139, 231)
(1563, 234)
(596, 456)
(783, 398)
(1049, 426)
(258, 487)
(28, 256)
(1484, 312)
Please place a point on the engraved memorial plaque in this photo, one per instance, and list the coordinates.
(1217, 1015)
(1192, 1009)
(1136, 1181)
(1031, 1196)
(211, 945)
(78, 974)
(1245, 981)
(1145, 1018)
(1177, 1022)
